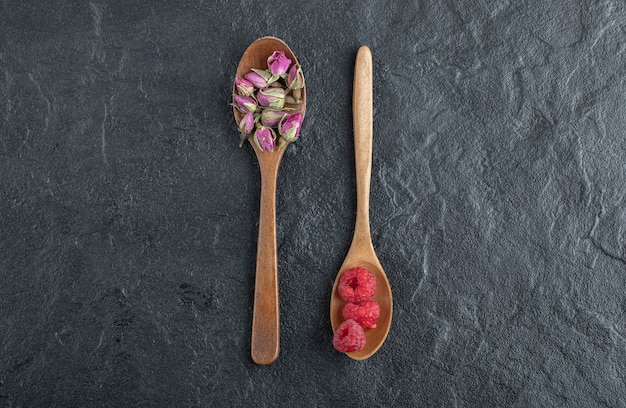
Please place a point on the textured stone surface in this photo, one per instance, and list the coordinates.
(129, 213)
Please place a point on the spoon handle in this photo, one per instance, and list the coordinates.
(265, 317)
(362, 108)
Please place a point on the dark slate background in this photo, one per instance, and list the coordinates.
(129, 214)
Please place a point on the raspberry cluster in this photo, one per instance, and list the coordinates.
(356, 286)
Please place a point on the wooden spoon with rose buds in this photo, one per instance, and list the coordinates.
(361, 252)
(265, 343)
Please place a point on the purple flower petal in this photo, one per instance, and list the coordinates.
(257, 80)
(290, 127)
(265, 138)
(278, 63)
(245, 103)
(247, 123)
(244, 87)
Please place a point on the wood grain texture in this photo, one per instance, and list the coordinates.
(361, 252)
(265, 342)
(362, 112)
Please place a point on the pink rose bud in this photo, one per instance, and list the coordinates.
(271, 117)
(271, 97)
(244, 87)
(247, 123)
(260, 78)
(289, 128)
(245, 103)
(256, 79)
(278, 63)
(265, 138)
(295, 78)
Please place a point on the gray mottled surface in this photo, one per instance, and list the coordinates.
(129, 214)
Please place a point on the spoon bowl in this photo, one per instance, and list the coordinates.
(265, 342)
(256, 57)
(374, 337)
(361, 252)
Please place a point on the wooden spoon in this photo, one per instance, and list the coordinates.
(361, 252)
(265, 317)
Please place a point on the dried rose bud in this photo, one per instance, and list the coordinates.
(271, 97)
(295, 78)
(244, 87)
(265, 138)
(289, 128)
(245, 103)
(278, 63)
(247, 123)
(260, 78)
(271, 117)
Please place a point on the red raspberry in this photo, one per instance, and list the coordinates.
(365, 314)
(349, 337)
(357, 285)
